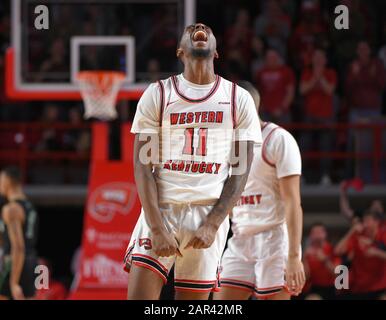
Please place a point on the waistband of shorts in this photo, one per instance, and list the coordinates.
(257, 230)
(193, 203)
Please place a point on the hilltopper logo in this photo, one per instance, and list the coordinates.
(110, 199)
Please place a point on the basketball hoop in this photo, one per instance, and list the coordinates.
(99, 91)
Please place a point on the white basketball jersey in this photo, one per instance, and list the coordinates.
(197, 124)
(261, 208)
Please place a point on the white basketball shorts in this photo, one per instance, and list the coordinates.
(256, 263)
(197, 269)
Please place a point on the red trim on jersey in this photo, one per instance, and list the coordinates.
(263, 154)
(162, 92)
(211, 92)
(233, 104)
(265, 124)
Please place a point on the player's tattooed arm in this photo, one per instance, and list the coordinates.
(13, 218)
(233, 188)
(164, 243)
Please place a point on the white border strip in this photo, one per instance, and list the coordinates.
(189, 18)
(127, 41)
(190, 12)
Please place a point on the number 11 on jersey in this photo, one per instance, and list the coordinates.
(189, 139)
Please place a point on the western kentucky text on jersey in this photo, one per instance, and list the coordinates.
(253, 199)
(197, 117)
(191, 166)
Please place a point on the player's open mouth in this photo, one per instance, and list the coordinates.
(200, 35)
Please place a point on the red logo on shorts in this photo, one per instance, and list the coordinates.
(146, 243)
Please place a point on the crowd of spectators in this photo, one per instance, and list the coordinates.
(361, 250)
(304, 68)
(308, 71)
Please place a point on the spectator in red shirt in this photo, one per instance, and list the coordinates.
(164, 35)
(274, 25)
(276, 83)
(365, 247)
(347, 211)
(258, 46)
(319, 263)
(238, 39)
(365, 83)
(309, 33)
(317, 86)
(345, 43)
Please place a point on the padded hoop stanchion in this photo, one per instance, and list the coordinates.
(100, 134)
(127, 143)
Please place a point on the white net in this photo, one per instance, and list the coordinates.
(99, 91)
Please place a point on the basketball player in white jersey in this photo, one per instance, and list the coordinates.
(263, 258)
(187, 196)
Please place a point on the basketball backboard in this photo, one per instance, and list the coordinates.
(138, 37)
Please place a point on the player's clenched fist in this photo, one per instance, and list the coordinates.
(165, 245)
(203, 237)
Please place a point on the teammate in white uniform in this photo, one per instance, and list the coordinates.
(262, 258)
(187, 195)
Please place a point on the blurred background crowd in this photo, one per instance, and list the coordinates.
(327, 86)
(306, 71)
